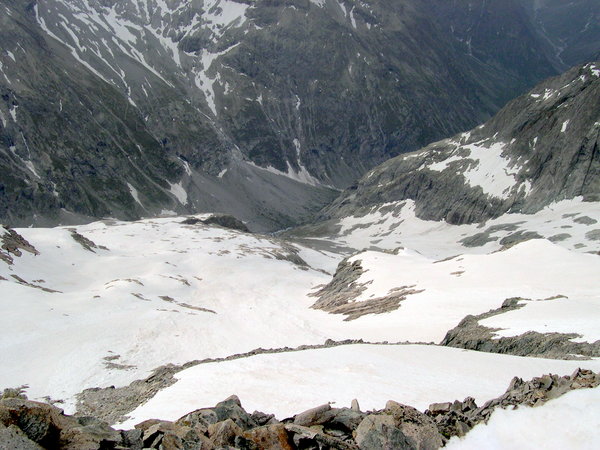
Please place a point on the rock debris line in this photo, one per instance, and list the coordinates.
(26, 424)
(112, 404)
(470, 335)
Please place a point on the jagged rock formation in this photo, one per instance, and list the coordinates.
(12, 244)
(541, 148)
(470, 334)
(130, 109)
(32, 425)
(457, 418)
(340, 295)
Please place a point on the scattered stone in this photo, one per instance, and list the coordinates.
(340, 294)
(593, 235)
(559, 237)
(86, 243)
(11, 245)
(585, 220)
(478, 240)
(354, 405)
(518, 237)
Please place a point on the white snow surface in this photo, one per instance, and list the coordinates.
(571, 421)
(148, 301)
(415, 375)
(474, 284)
(392, 225)
(140, 300)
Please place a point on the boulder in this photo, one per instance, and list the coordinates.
(314, 416)
(40, 422)
(224, 433)
(416, 426)
(272, 437)
(379, 432)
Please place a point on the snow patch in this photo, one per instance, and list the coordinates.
(134, 194)
(179, 192)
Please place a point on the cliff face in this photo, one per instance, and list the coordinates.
(541, 148)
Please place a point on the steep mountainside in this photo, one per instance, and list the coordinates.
(572, 28)
(135, 107)
(541, 148)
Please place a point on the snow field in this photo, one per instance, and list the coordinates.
(285, 384)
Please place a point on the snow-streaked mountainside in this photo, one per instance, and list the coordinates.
(132, 108)
(540, 149)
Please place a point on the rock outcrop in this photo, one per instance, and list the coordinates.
(470, 334)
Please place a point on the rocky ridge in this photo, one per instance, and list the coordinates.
(33, 425)
(471, 335)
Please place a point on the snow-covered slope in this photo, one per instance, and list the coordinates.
(413, 374)
(106, 303)
(567, 422)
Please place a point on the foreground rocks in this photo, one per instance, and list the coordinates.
(26, 424)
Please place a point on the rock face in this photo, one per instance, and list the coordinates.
(541, 148)
(31, 425)
(469, 334)
(134, 108)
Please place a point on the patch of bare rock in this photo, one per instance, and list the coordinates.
(26, 424)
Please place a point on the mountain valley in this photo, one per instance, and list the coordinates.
(322, 211)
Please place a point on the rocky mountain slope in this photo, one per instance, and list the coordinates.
(134, 108)
(540, 149)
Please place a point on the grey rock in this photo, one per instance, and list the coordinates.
(12, 438)
(314, 416)
(419, 429)
(378, 432)
(585, 220)
(224, 433)
(469, 334)
(593, 235)
(355, 406)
